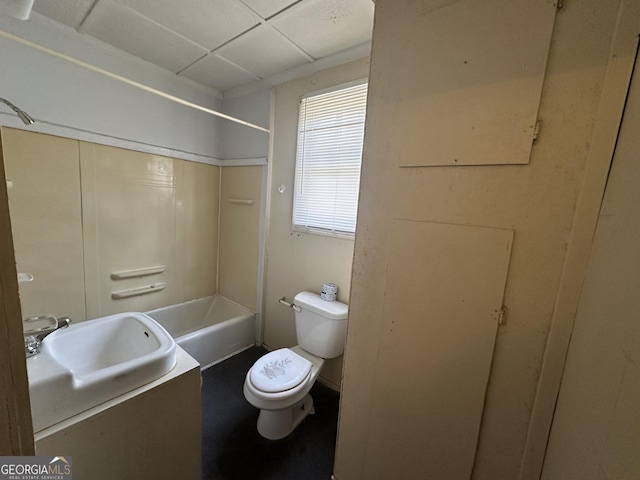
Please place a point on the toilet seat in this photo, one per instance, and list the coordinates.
(279, 371)
(281, 412)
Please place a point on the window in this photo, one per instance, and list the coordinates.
(328, 160)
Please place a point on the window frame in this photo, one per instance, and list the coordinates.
(319, 230)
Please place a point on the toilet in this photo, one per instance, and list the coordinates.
(279, 382)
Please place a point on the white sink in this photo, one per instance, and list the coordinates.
(90, 362)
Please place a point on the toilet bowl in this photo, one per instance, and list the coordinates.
(279, 382)
(281, 411)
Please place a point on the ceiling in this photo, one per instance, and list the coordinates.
(224, 44)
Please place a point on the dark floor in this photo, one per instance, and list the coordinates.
(232, 449)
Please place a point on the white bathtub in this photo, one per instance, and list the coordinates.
(210, 329)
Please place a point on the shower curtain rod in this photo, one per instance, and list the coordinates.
(133, 83)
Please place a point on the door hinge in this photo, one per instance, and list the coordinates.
(502, 316)
(536, 130)
(560, 4)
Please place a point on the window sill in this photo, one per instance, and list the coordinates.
(323, 233)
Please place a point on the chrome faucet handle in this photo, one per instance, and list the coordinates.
(36, 328)
(31, 345)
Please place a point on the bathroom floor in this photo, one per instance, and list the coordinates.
(232, 449)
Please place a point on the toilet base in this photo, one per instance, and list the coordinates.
(277, 424)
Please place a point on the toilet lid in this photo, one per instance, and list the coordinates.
(279, 370)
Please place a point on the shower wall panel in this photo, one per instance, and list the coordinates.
(92, 223)
(44, 200)
(150, 229)
(129, 218)
(239, 233)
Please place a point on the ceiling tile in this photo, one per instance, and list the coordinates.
(263, 51)
(250, 38)
(217, 73)
(209, 23)
(123, 28)
(268, 8)
(69, 12)
(323, 27)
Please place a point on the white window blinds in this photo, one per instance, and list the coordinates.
(328, 160)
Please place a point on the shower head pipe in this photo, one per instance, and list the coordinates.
(24, 116)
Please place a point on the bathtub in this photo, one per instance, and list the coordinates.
(210, 329)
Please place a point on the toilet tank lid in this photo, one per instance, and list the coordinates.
(312, 302)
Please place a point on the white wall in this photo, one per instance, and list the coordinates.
(299, 261)
(69, 100)
(241, 143)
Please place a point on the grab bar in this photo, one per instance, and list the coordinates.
(132, 292)
(241, 201)
(284, 302)
(138, 272)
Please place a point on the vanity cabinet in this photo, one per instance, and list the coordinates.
(152, 432)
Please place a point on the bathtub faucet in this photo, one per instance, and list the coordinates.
(37, 328)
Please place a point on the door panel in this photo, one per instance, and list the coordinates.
(445, 286)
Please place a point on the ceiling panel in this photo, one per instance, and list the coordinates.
(263, 51)
(268, 8)
(218, 73)
(119, 26)
(223, 43)
(323, 27)
(207, 22)
(69, 12)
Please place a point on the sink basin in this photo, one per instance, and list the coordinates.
(91, 362)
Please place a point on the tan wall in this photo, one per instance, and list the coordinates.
(46, 217)
(240, 209)
(537, 201)
(82, 211)
(300, 261)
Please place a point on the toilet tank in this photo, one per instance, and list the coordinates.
(321, 326)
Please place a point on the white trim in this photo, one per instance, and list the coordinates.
(220, 173)
(10, 120)
(261, 253)
(265, 217)
(244, 162)
(323, 232)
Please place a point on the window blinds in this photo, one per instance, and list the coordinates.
(328, 160)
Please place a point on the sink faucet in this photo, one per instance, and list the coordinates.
(37, 328)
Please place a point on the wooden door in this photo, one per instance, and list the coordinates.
(596, 427)
(16, 430)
